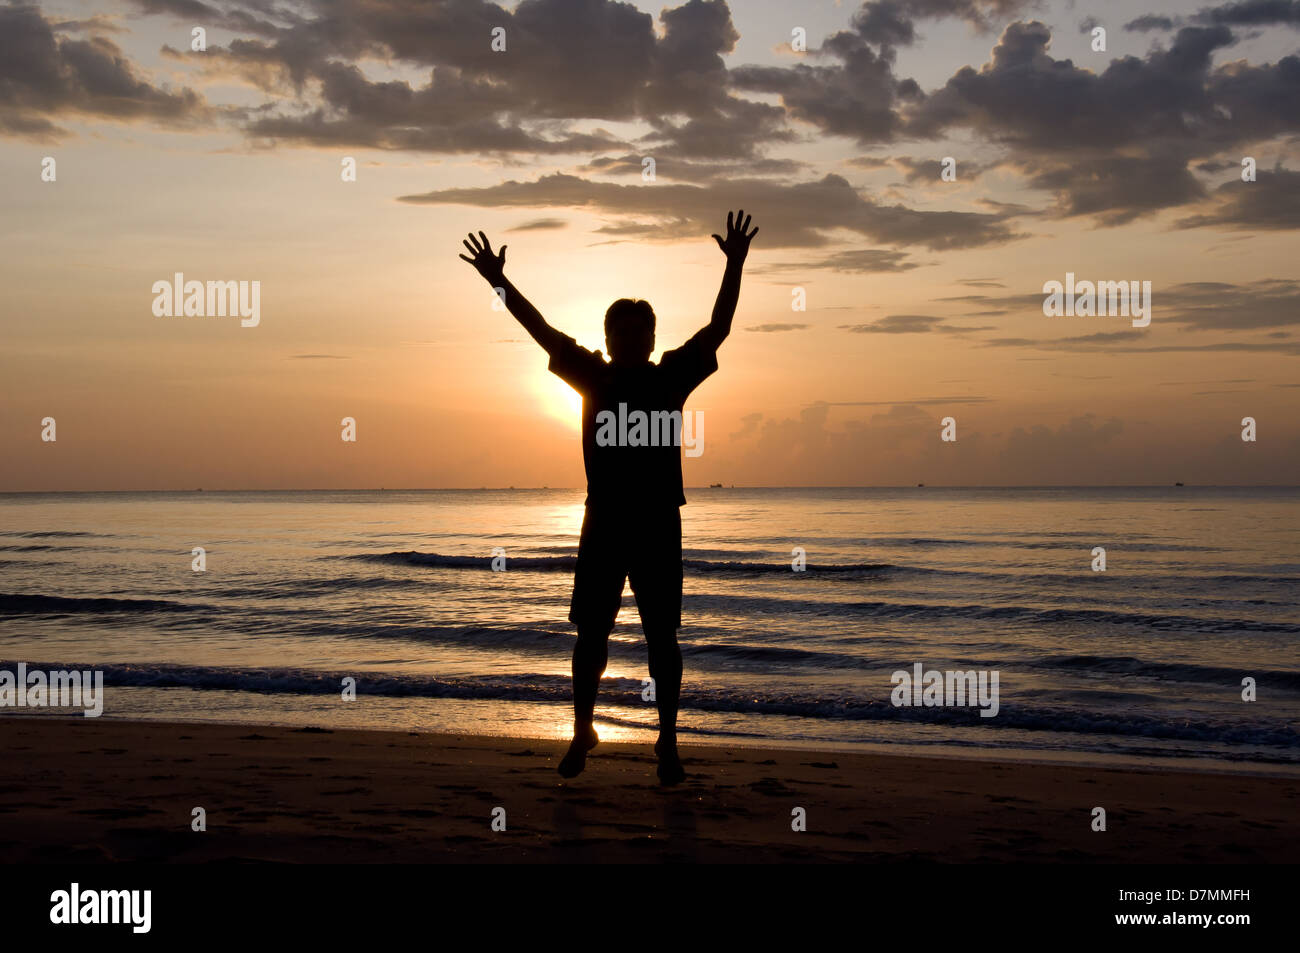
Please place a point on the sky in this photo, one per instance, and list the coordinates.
(922, 295)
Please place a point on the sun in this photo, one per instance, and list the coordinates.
(557, 399)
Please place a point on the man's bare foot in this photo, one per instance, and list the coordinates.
(670, 766)
(575, 759)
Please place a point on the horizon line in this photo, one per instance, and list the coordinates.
(498, 489)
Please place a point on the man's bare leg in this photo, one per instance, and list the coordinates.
(666, 670)
(590, 656)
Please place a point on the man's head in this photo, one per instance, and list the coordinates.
(629, 331)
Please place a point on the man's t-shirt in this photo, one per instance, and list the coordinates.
(633, 426)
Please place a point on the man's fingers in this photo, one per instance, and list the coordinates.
(472, 249)
(466, 258)
(744, 227)
(751, 235)
(718, 239)
(502, 254)
(729, 225)
(486, 245)
(473, 242)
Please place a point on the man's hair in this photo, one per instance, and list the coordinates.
(625, 309)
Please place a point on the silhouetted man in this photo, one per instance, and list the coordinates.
(632, 529)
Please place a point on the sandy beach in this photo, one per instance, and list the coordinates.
(83, 790)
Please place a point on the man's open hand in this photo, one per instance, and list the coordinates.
(736, 245)
(490, 266)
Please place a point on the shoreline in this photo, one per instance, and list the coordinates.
(99, 790)
(687, 738)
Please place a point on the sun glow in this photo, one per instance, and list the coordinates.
(558, 400)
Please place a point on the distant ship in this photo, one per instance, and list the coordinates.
(715, 486)
(1178, 484)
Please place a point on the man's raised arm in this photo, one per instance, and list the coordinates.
(735, 246)
(492, 268)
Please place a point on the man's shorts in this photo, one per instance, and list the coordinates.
(644, 548)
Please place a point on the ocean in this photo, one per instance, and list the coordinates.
(396, 591)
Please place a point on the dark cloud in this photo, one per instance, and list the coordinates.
(234, 18)
(540, 225)
(1114, 145)
(97, 23)
(909, 324)
(930, 170)
(869, 162)
(1150, 21)
(564, 61)
(1197, 305)
(1271, 202)
(43, 75)
(920, 170)
(858, 94)
(856, 98)
(669, 165)
(806, 214)
(1252, 13)
(856, 260)
(1216, 305)
(1115, 189)
(889, 23)
(1096, 344)
(1027, 99)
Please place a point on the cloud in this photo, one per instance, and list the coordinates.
(773, 328)
(1060, 455)
(540, 225)
(1106, 343)
(856, 260)
(930, 170)
(564, 61)
(96, 23)
(231, 18)
(669, 165)
(1201, 305)
(1222, 306)
(890, 23)
(1148, 22)
(1252, 13)
(43, 75)
(910, 402)
(908, 324)
(858, 95)
(1269, 203)
(1114, 144)
(805, 214)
